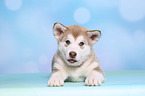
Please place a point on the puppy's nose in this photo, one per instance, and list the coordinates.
(72, 54)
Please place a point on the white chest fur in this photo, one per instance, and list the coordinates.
(76, 75)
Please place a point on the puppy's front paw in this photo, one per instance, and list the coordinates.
(93, 81)
(55, 82)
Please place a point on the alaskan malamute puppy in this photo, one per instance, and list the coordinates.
(75, 59)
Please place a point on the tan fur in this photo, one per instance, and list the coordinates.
(99, 70)
(76, 31)
(89, 70)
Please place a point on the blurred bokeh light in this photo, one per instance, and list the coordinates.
(27, 44)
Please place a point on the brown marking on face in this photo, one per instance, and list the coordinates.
(76, 31)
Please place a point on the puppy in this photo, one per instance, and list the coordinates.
(75, 59)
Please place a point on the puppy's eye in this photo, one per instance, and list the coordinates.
(67, 42)
(81, 43)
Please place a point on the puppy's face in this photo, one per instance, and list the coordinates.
(74, 51)
(75, 42)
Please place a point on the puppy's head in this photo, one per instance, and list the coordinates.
(75, 42)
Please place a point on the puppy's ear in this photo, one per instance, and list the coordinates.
(94, 35)
(58, 30)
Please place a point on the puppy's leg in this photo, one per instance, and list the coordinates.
(57, 78)
(95, 78)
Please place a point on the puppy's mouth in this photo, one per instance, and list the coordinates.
(72, 60)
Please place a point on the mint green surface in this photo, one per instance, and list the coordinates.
(118, 83)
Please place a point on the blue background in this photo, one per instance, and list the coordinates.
(27, 44)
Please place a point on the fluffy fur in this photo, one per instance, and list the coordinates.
(75, 60)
